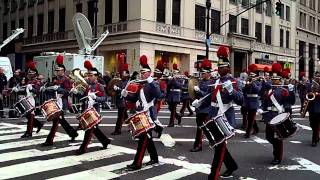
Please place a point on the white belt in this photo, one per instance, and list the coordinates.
(252, 95)
(175, 90)
(272, 109)
(227, 106)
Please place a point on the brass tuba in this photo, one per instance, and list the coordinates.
(310, 97)
(80, 82)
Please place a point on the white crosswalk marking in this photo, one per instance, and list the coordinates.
(177, 174)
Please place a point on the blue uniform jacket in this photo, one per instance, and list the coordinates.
(184, 89)
(314, 106)
(250, 94)
(173, 91)
(120, 102)
(205, 106)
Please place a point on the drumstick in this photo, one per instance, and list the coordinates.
(86, 96)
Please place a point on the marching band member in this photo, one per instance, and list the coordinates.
(229, 93)
(96, 95)
(251, 101)
(273, 102)
(120, 102)
(244, 111)
(32, 89)
(146, 98)
(62, 86)
(302, 89)
(314, 108)
(185, 98)
(202, 110)
(288, 104)
(173, 96)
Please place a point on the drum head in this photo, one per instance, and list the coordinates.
(279, 118)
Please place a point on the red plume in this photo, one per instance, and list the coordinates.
(125, 67)
(175, 66)
(206, 63)
(59, 59)
(31, 65)
(285, 74)
(253, 67)
(266, 69)
(223, 52)
(302, 73)
(287, 70)
(143, 60)
(186, 73)
(160, 65)
(276, 68)
(88, 65)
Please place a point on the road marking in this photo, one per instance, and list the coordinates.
(12, 131)
(177, 174)
(18, 136)
(296, 142)
(167, 140)
(304, 127)
(305, 165)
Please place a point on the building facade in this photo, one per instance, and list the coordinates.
(171, 30)
(308, 36)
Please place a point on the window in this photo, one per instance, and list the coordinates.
(215, 21)
(40, 25)
(50, 22)
(312, 4)
(79, 7)
(176, 12)
(200, 18)
(14, 5)
(233, 1)
(5, 31)
(108, 14)
(301, 19)
(30, 26)
(258, 32)
(161, 11)
(232, 24)
(259, 8)
(287, 39)
(40, 1)
(287, 13)
(311, 23)
(318, 26)
(21, 25)
(244, 26)
(268, 9)
(5, 7)
(31, 3)
(245, 3)
(303, 2)
(122, 10)
(22, 4)
(281, 37)
(62, 20)
(13, 25)
(282, 12)
(268, 34)
(91, 12)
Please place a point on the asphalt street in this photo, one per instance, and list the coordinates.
(26, 159)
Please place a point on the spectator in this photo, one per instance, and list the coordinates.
(107, 77)
(15, 79)
(3, 84)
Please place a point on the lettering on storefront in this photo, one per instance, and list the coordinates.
(217, 39)
(168, 29)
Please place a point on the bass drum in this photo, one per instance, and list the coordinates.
(113, 82)
(192, 82)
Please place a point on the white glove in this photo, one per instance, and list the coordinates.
(74, 91)
(124, 93)
(150, 79)
(92, 95)
(15, 89)
(228, 85)
(196, 103)
(55, 87)
(170, 78)
(29, 87)
(290, 87)
(90, 102)
(196, 88)
(116, 88)
(260, 111)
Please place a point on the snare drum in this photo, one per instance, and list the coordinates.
(217, 130)
(139, 123)
(50, 110)
(133, 92)
(283, 125)
(24, 106)
(89, 118)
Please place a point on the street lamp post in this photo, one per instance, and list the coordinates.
(95, 10)
(208, 5)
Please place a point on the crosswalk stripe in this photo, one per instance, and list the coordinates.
(12, 131)
(177, 174)
(38, 166)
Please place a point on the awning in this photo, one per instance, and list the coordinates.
(260, 67)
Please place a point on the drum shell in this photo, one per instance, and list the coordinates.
(51, 110)
(139, 123)
(89, 118)
(287, 128)
(24, 107)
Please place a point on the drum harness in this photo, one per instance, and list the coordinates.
(275, 103)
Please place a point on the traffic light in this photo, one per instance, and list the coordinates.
(278, 8)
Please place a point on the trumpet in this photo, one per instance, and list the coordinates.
(180, 77)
